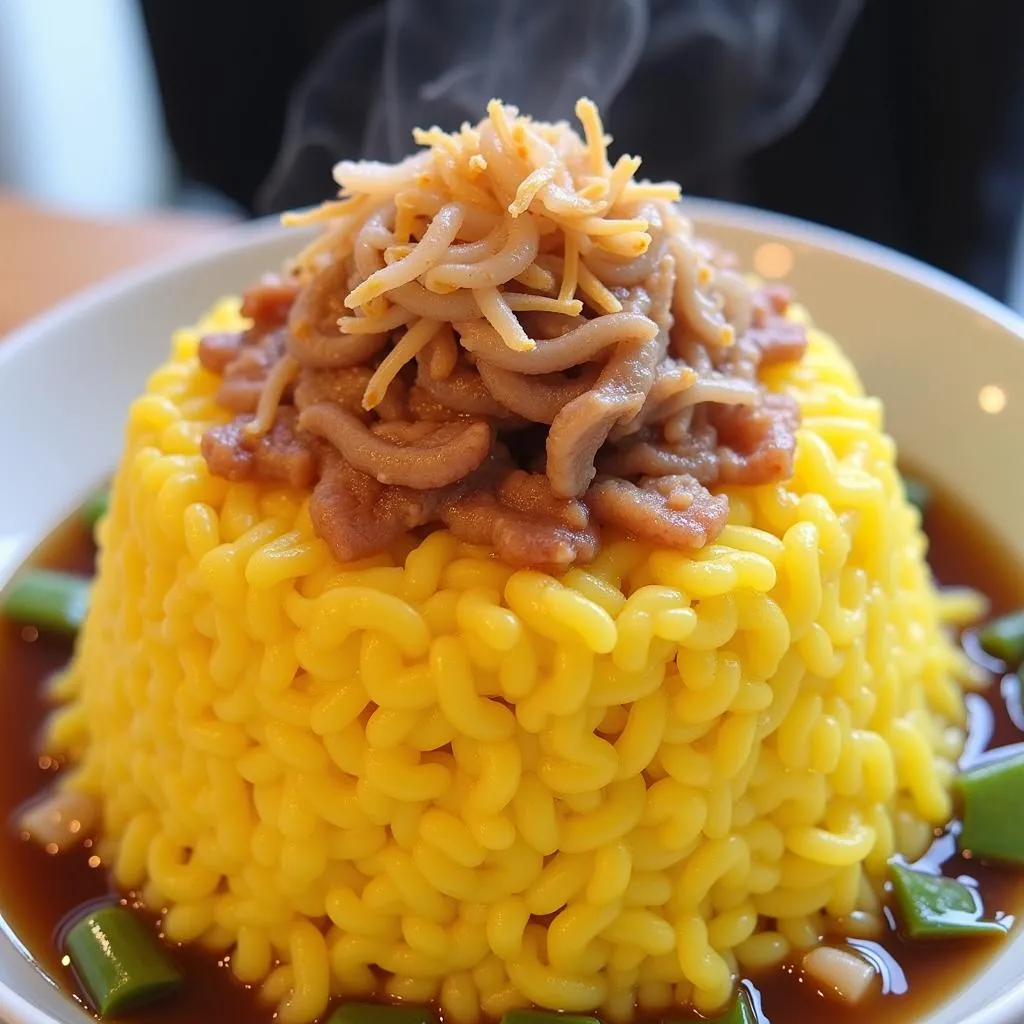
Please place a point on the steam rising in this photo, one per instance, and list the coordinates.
(723, 76)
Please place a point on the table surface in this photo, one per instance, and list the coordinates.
(46, 255)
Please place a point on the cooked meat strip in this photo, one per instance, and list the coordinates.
(675, 511)
(695, 455)
(737, 302)
(419, 455)
(267, 303)
(463, 391)
(357, 516)
(582, 426)
(524, 522)
(314, 337)
(540, 398)
(756, 443)
(345, 388)
(217, 351)
(240, 396)
(779, 341)
(282, 455)
(580, 345)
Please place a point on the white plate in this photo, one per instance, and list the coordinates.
(948, 362)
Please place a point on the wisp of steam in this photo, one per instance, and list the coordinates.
(722, 77)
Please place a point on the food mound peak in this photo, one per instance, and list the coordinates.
(509, 334)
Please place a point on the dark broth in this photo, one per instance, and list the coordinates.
(39, 891)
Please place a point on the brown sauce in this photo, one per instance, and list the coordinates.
(39, 891)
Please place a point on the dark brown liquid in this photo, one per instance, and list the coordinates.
(39, 891)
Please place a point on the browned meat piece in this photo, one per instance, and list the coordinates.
(675, 511)
(423, 406)
(756, 442)
(357, 516)
(778, 341)
(672, 380)
(345, 387)
(342, 387)
(695, 455)
(268, 303)
(244, 376)
(462, 391)
(771, 298)
(420, 455)
(282, 455)
(256, 357)
(314, 337)
(524, 522)
(537, 399)
(240, 396)
(579, 429)
(217, 351)
(583, 343)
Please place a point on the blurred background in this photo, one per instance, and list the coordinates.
(898, 120)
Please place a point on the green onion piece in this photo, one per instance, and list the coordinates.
(55, 602)
(119, 961)
(95, 508)
(919, 494)
(1003, 638)
(545, 1017)
(382, 1013)
(993, 810)
(932, 907)
(740, 1012)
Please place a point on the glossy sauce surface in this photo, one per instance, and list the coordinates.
(39, 891)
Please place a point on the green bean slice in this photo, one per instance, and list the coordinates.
(919, 494)
(119, 961)
(545, 1017)
(739, 1012)
(95, 508)
(993, 809)
(933, 907)
(55, 602)
(382, 1013)
(1003, 638)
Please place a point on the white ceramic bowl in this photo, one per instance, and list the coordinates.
(948, 362)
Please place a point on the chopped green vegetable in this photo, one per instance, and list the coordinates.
(51, 601)
(545, 1017)
(95, 508)
(932, 907)
(119, 961)
(1003, 638)
(918, 494)
(740, 1012)
(381, 1013)
(993, 809)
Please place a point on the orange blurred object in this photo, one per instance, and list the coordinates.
(45, 255)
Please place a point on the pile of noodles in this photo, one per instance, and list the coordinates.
(507, 277)
(433, 775)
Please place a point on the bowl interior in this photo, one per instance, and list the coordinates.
(948, 362)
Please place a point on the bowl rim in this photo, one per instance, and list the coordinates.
(1008, 1007)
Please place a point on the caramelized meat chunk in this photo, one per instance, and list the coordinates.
(675, 511)
(525, 523)
(282, 455)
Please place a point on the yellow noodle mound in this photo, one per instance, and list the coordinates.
(433, 776)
